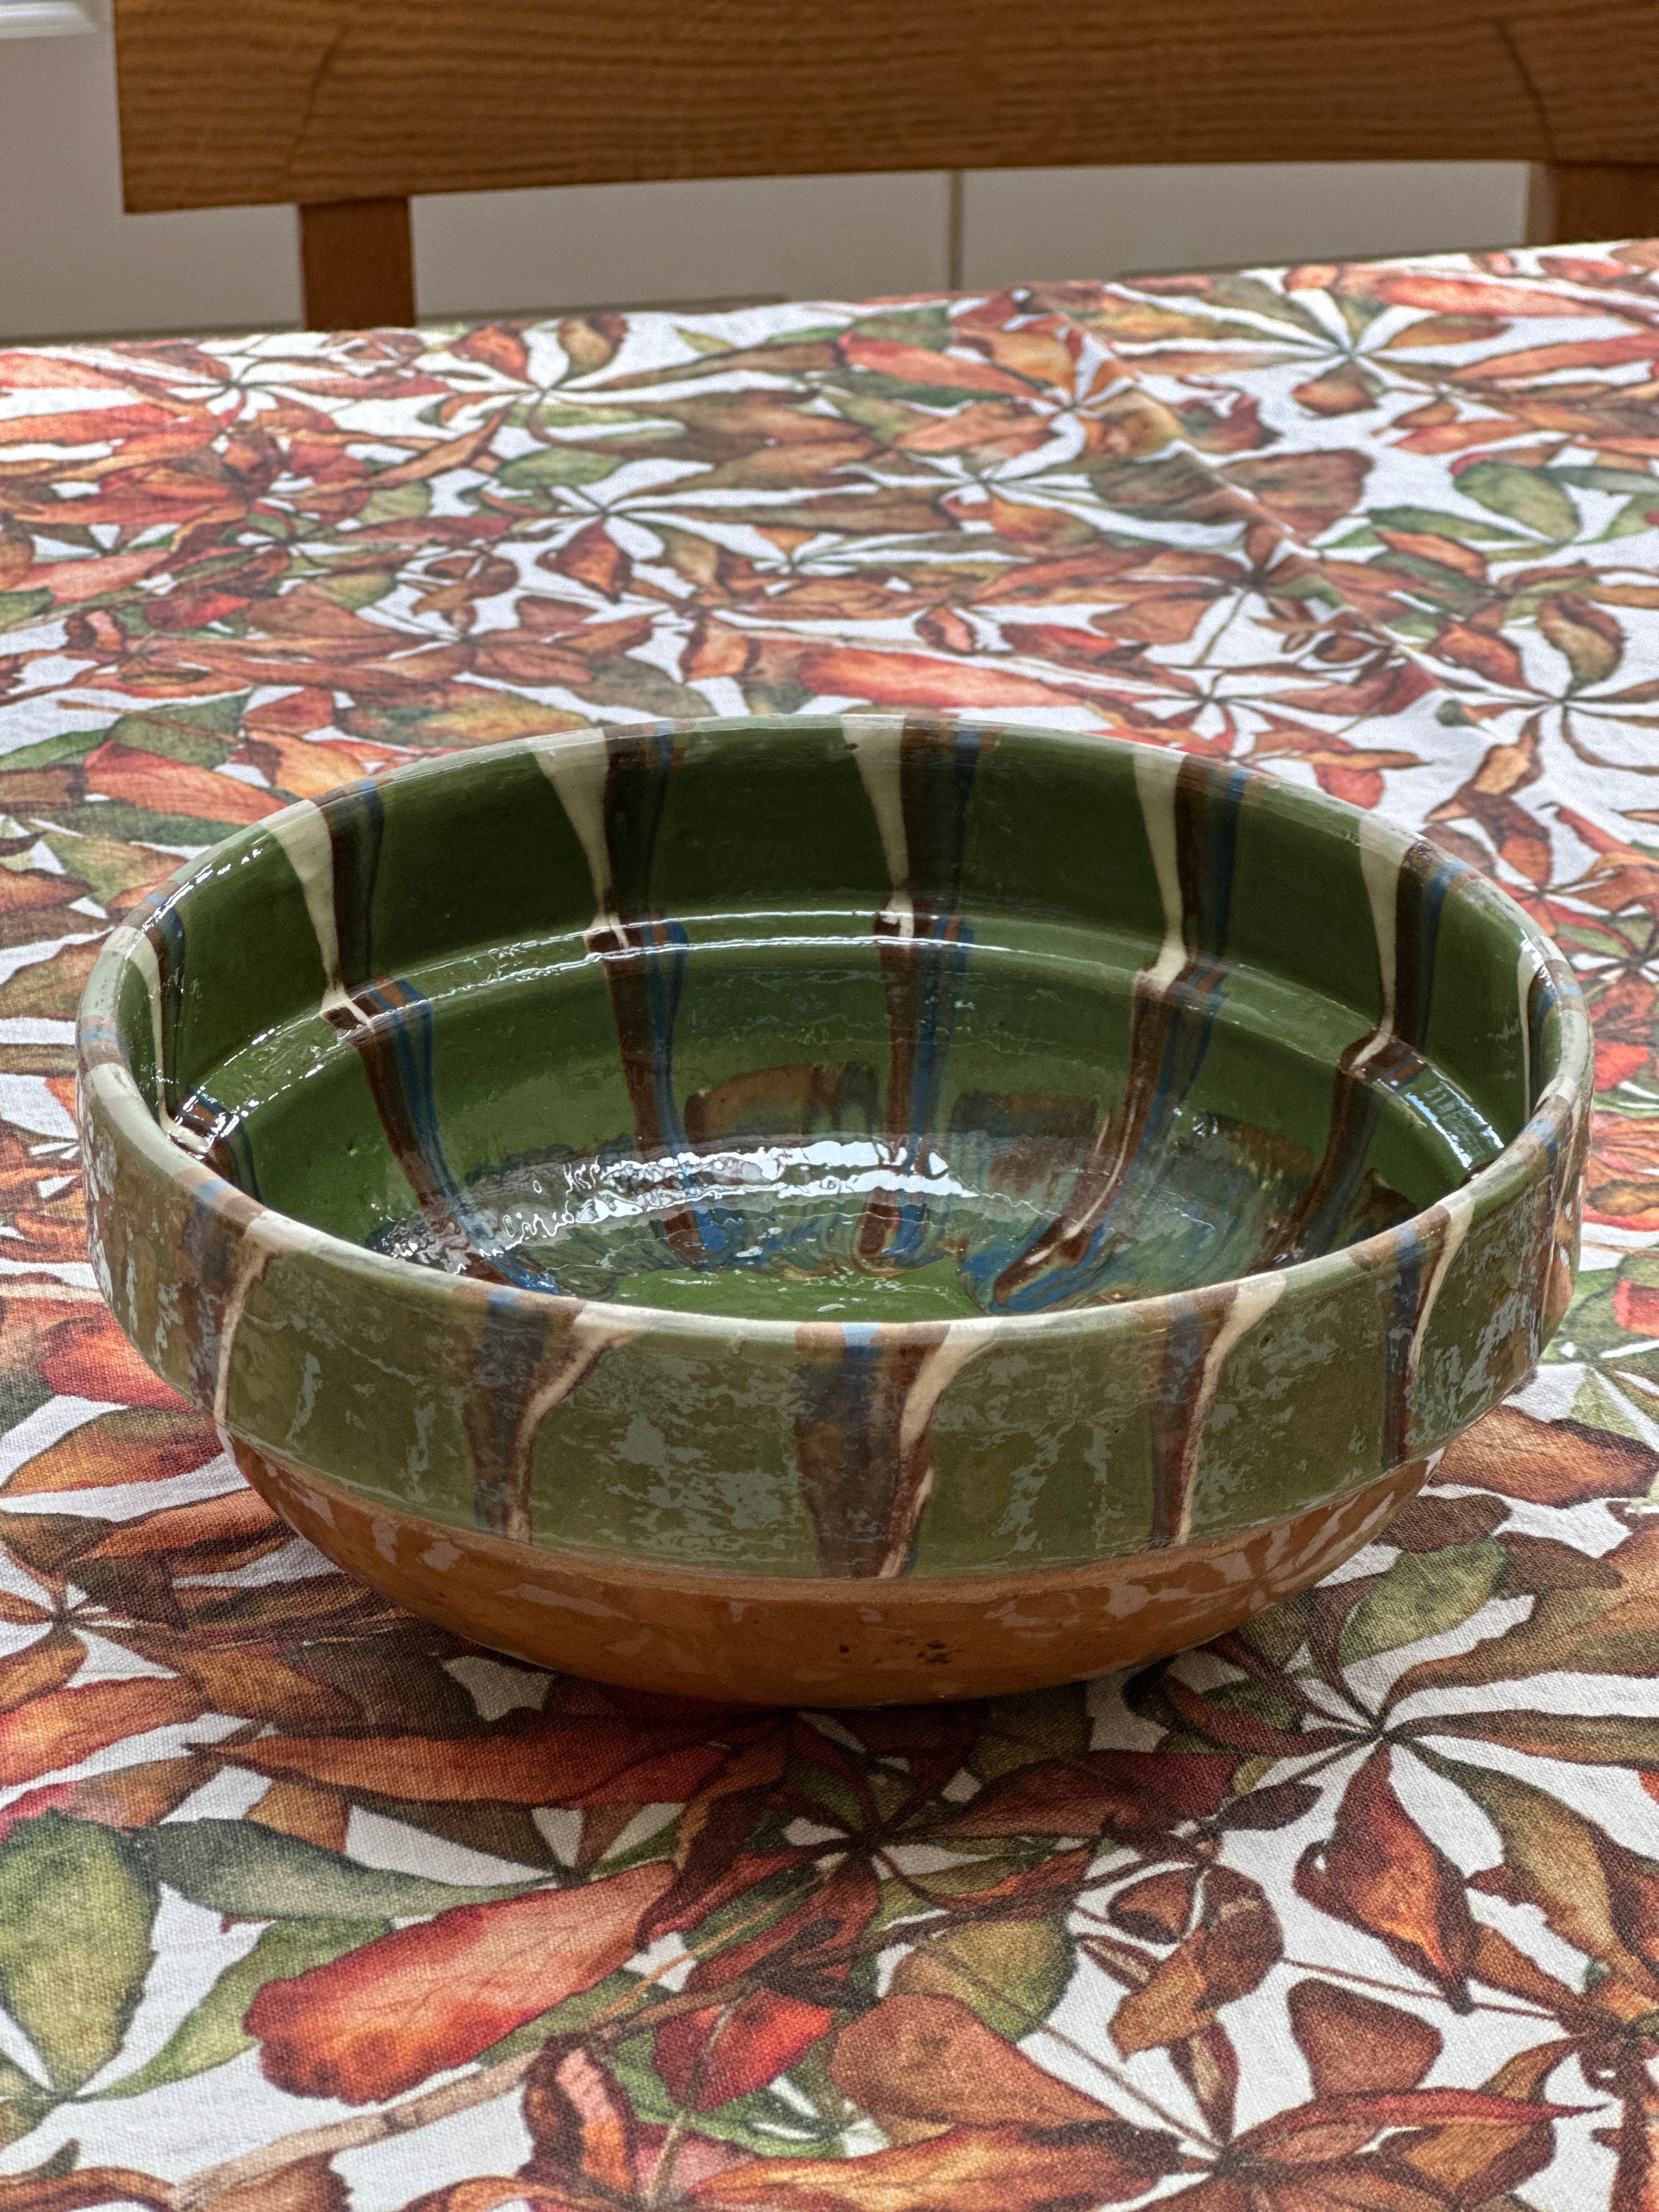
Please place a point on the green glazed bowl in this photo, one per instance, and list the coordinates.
(834, 1210)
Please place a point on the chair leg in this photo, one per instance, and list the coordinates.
(1570, 201)
(357, 263)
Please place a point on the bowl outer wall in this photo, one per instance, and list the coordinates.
(825, 1642)
(1189, 1418)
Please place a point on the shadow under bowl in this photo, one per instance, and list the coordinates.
(834, 1210)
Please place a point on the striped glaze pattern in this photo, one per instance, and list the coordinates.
(1355, 1072)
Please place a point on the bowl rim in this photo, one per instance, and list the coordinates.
(1565, 1097)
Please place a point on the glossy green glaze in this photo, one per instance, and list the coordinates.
(854, 1148)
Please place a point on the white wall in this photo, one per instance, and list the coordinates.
(71, 263)
(1104, 222)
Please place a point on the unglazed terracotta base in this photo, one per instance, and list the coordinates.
(780, 1642)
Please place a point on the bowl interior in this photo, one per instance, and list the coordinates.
(852, 1020)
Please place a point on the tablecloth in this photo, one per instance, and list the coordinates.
(305, 1904)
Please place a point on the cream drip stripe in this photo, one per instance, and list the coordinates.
(1458, 1210)
(1528, 969)
(576, 763)
(1256, 1296)
(1381, 861)
(302, 832)
(1156, 776)
(269, 1236)
(591, 1338)
(878, 745)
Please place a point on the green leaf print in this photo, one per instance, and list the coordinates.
(260, 1873)
(213, 2034)
(1423, 1594)
(1526, 496)
(76, 1905)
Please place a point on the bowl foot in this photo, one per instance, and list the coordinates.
(782, 1642)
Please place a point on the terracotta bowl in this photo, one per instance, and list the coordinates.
(837, 1210)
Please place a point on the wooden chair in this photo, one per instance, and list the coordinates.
(347, 107)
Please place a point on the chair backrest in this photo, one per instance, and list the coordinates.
(347, 109)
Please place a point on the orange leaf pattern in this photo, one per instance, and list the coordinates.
(305, 1904)
(378, 2019)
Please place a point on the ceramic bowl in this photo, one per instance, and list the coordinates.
(834, 1211)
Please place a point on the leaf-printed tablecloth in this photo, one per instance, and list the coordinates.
(303, 1903)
